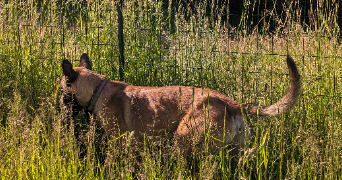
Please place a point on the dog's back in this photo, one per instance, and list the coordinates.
(186, 113)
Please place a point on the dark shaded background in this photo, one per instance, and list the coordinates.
(264, 13)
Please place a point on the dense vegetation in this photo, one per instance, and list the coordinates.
(167, 47)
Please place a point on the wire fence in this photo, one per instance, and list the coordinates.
(203, 44)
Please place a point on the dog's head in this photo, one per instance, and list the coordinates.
(74, 94)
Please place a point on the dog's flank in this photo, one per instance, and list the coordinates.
(184, 113)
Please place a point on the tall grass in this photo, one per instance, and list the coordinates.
(168, 48)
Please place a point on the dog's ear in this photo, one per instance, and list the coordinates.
(69, 71)
(84, 61)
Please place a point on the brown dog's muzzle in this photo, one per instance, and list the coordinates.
(69, 107)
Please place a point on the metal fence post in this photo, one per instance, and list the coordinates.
(121, 41)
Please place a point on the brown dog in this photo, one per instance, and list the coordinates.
(187, 114)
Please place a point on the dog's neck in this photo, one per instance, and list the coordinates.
(95, 96)
(86, 86)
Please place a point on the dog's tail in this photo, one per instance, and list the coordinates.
(286, 102)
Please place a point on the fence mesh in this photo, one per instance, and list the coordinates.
(236, 47)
